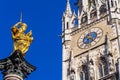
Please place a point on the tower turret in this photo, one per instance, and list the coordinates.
(90, 11)
(113, 9)
(67, 16)
(68, 22)
(68, 8)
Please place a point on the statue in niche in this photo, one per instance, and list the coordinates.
(91, 70)
(72, 75)
(115, 52)
(110, 62)
(100, 53)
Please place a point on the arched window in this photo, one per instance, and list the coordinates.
(103, 10)
(85, 70)
(105, 66)
(117, 68)
(63, 28)
(67, 25)
(93, 14)
(100, 70)
(117, 71)
(76, 22)
(81, 75)
(86, 75)
(84, 18)
(112, 5)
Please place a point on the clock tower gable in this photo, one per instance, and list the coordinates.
(80, 41)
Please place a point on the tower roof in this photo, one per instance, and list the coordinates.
(68, 8)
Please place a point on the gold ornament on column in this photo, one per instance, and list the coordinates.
(21, 40)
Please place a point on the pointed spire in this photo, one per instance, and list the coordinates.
(74, 13)
(21, 17)
(72, 60)
(68, 8)
(108, 42)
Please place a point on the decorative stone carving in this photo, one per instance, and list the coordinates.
(16, 64)
(91, 70)
(115, 55)
(72, 63)
(72, 76)
(110, 62)
(100, 53)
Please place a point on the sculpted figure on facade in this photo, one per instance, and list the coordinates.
(91, 70)
(115, 53)
(100, 53)
(110, 62)
(72, 76)
(109, 54)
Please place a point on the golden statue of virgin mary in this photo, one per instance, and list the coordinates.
(21, 40)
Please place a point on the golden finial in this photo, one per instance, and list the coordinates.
(21, 17)
(21, 40)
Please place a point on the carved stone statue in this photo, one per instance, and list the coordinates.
(21, 40)
(91, 71)
(72, 76)
(100, 53)
(110, 62)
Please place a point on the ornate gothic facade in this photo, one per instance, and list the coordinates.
(91, 40)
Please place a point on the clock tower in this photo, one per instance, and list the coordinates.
(91, 48)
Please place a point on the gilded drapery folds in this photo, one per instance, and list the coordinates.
(21, 40)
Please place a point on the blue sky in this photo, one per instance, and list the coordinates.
(43, 17)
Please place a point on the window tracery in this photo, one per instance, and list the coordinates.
(93, 14)
(84, 18)
(81, 76)
(110, 62)
(105, 66)
(100, 70)
(102, 67)
(85, 72)
(103, 10)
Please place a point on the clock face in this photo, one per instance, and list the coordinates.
(90, 38)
